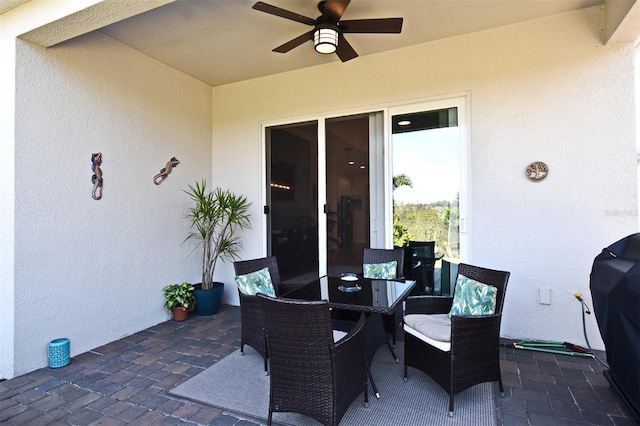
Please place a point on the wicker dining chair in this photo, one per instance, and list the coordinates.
(251, 322)
(425, 252)
(372, 256)
(311, 374)
(471, 353)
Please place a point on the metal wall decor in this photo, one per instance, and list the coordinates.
(96, 179)
(537, 171)
(164, 172)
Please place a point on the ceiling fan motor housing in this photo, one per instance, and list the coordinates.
(328, 33)
(325, 38)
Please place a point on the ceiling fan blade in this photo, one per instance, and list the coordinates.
(335, 8)
(294, 43)
(376, 26)
(344, 51)
(273, 10)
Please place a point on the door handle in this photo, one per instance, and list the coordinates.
(266, 209)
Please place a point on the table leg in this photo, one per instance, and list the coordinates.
(375, 336)
(373, 382)
(393, 352)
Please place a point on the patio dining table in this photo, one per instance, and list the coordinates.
(356, 294)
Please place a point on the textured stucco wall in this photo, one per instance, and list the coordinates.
(91, 270)
(13, 23)
(544, 90)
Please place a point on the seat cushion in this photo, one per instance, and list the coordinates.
(433, 329)
(380, 271)
(256, 282)
(473, 298)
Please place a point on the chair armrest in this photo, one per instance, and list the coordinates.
(246, 300)
(353, 333)
(428, 305)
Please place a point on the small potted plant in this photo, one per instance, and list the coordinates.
(179, 300)
(215, 217)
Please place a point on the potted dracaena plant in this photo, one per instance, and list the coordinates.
(216, 217)
(179, 300)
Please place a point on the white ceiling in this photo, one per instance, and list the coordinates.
(223, 41)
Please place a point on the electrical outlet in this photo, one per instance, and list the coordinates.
(545, 296)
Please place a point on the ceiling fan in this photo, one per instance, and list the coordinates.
(328, 30)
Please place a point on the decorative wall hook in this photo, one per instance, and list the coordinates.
(96, 179)
(537, 171)
(164, 172)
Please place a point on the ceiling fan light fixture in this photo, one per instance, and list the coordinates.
(325, 40)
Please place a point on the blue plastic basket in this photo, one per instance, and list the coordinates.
(59, 350)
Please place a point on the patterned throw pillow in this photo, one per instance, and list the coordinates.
(473, 298)
(380, 271)
(256, 282)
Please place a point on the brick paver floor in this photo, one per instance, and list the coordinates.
(126, 382)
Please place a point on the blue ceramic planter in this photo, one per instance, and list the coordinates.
(208, 301)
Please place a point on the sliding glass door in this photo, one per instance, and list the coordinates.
(292, 197)
(347, 195)
(336, 185)
(318, 195)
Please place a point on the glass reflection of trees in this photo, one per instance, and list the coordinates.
(439, 222)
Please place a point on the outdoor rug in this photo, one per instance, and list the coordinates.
(237, 384)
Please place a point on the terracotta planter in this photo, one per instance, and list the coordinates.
(208, 301)
(180, 313)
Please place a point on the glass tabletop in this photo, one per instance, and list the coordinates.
(363, 294)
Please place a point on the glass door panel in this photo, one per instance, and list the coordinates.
(426, 185)
(292, 198)
(318, 194)
(347, 199)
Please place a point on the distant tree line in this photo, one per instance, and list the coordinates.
(438, 221)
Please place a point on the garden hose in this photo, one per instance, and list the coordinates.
(560, 348)
(564, 348)
(585, 309)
